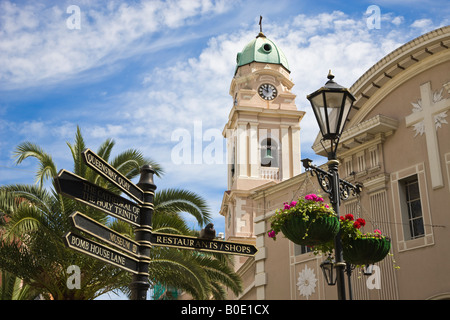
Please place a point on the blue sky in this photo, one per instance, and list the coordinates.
(144, 72)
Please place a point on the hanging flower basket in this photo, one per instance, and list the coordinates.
(362, 249)
(307, 221)
(358, 248)
(367, 249)
(310, 233)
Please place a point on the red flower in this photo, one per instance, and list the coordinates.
(361, 221)
(349, 217)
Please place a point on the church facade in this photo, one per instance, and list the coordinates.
(396, 143)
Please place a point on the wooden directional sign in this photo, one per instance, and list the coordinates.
(73, 186)
(101, 252)
(113, 175)
(96, 229)
(186, 242)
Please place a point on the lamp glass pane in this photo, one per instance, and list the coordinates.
(319, 111)
(345, 112)
(334, 105)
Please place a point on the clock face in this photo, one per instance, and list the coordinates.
(267, 91)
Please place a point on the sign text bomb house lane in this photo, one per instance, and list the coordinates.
(113, 175)
(101, 252)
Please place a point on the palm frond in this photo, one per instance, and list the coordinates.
(130, 161)
(79, 167)
(164, 222)
(220, 273)
(13, 288)
(104, 151)
(176, 268)
(176, 201)
(47, 168)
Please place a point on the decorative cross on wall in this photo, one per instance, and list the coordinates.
(428, 115)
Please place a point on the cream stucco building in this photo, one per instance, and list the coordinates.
(396, 143)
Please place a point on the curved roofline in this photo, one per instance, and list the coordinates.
(388, 68)
(399, 60)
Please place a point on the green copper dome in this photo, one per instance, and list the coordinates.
(262, 50)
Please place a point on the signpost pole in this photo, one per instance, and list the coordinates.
(140, 284)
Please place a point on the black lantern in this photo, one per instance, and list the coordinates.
(328, 271)
(368, 269)
(331, 105)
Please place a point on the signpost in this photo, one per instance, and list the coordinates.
(136, 258)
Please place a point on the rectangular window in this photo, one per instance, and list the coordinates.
(360, 161)
(373, 153)
(348, 167)
(298, 249)
(412, 208)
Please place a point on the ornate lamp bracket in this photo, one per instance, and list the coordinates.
(325, 181)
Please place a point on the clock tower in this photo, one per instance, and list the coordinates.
(262, 132)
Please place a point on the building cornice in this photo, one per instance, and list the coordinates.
(362, 133)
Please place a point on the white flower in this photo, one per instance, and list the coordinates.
(306, 282)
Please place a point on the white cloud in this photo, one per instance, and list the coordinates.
(422, 23)
(36, 45)
(398, 20)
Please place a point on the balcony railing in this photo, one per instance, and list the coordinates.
(269, 173)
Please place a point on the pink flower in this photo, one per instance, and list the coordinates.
(313, 197)
(377, 233)
(286, 206)
(293, 203)
(271, 234)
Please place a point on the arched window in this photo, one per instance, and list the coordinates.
(269, 153)
(233, 161)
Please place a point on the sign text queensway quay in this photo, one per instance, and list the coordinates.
(113, 175)
(73, 186)
(186, 242)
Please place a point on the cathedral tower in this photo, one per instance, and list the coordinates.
(262, 132)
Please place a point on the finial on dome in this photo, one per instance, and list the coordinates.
(260, 34)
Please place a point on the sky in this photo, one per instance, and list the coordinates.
(155, 75)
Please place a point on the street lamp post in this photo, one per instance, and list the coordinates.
(331, 105)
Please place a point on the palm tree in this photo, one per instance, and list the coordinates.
(32, 245)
